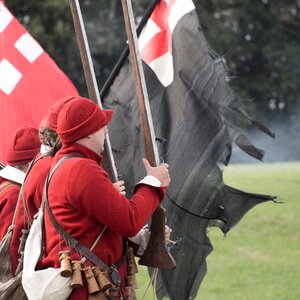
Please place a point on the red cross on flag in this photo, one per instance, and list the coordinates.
(155, 41)
(30, 81)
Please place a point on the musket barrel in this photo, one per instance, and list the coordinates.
(156, 254)
(90, 76)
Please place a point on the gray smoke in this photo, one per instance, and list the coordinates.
(285, 146)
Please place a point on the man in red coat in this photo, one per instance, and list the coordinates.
(34, 183)
(23, 146)
(84, 200)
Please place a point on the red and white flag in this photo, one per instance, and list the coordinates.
(155, 40)
(30, 81)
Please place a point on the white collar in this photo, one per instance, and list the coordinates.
(45, 148)
(13, 174)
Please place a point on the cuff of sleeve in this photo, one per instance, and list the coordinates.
(141, 239)
(150, 180)
(153, 182)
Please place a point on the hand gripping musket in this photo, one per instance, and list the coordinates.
(90, 77)
(156, 254)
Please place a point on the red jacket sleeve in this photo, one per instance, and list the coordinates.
(8, 202)
(97, 198)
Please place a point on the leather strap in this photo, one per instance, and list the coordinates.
(75, 244)
(7, 183)
(49, 153)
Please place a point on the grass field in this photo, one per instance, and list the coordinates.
(259, 259)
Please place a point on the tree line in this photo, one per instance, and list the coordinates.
(259, 40)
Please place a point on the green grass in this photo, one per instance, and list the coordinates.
(259, 259)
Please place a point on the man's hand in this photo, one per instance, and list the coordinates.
(161, 172)
(168, 231)
(142, 238)
(120, 187)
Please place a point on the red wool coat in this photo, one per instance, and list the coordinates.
(83, 199)
(8, 201)
(33, 192)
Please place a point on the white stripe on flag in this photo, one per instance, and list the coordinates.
(178, 10)
(163, 68)
(29, 47)
(9, 76)
(5, 17)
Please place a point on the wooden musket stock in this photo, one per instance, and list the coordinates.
(156, 254)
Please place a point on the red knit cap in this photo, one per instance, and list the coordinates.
(79, 118)
(23, 145)
(54, 111)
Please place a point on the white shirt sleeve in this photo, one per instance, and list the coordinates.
(150, 180)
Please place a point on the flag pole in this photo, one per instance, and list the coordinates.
(90, 77)
(156, 254)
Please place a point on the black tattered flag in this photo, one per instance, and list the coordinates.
(195, 139)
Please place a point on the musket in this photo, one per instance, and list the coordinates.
(90, 77)
(156, 254)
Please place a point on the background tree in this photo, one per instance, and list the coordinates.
(260, 41)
